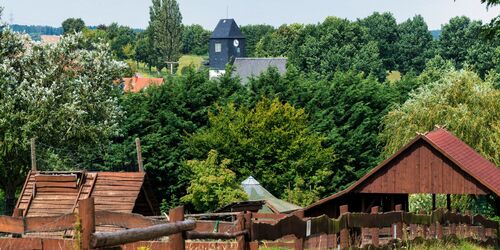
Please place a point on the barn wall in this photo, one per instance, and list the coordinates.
(421, 169)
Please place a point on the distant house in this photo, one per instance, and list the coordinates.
(227, 46)
(245, 68)
(49, 39)
(137, 83)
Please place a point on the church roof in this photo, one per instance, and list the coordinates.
(227, 28)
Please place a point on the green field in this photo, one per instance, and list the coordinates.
(184, 61)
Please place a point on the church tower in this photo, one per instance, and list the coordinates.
(226, 43)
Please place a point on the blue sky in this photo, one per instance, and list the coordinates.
(135, 13)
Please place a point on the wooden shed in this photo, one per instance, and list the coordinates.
(433, 163)
(49, 193)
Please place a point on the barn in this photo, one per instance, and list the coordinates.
(53, 193)
(436, 162)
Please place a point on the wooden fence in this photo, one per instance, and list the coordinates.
(245, 230)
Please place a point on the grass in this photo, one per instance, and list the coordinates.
(187, 60)
(184, 61)
(461, 245)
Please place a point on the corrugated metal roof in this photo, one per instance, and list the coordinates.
(248, 67)
(227, 28)
(467, 158)
(256, 192)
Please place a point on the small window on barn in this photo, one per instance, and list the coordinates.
(218, 47)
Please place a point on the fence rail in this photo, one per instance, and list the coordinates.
(248, 229)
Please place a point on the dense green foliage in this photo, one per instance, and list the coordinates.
(212, 184)
(271, 142)
(195, 40)
(61, 95)
(253, 34)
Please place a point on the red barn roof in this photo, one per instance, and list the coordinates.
(435, 162)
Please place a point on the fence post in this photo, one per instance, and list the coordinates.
(86, 212)
(18, 212)
(240, 226)
(344, 233)
(424, 227)
(398, 226)
(176, 240)
(374, 231)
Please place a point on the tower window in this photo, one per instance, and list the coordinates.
(218, 47)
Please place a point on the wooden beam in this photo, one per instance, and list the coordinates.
(177, 214)
(374, 231)
(344, 233)
(433, 202)
(100, 240)
(33, 154)
(448, 202)
(217, 236)
(139, 154)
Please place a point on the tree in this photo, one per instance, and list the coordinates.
(383, 29)
(122, 40)
(457, 38)
(467, 105)
(73, 25)
(213, 184)
(271, 142)
(195, 40)
(165, 30)
(63, 96)
(415, 45)
(280, 42)
(253, 33)
(336, 45)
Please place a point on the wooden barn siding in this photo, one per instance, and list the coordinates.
(422, 169)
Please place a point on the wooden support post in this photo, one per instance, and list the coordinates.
(18, 212)
(240, 226)
(177, 240)
(33, 154)
(399, 225)
(467, 232)
(139, 154)
(248, 225)
(439, 230)
(433, 202)
(374, 231)
(344, 233)
(254, 245)
(86, 212)
(424, 227)
(448, 202)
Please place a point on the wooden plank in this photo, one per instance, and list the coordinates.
(37, 205)
(100, 182)
(56, 184)
(55, 178)
(121, 174)
(24, 188)
(123, 188)
(21, 244)
(57, 190)
(116, 193)
(11, 225)
(50, 223)
(124, 220)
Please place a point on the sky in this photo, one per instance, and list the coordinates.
(135, 13)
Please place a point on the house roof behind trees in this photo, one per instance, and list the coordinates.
(248, 67)
(256, 192)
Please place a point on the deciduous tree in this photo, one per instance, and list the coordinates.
(72, 25)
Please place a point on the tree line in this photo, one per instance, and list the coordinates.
(304, 135)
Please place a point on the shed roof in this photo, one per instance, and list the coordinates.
(453, 149)
(247, 67)
(56, 193)
(227, 28)
(256, 192)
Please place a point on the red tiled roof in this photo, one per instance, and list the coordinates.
(136, 83)
(467, 158)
